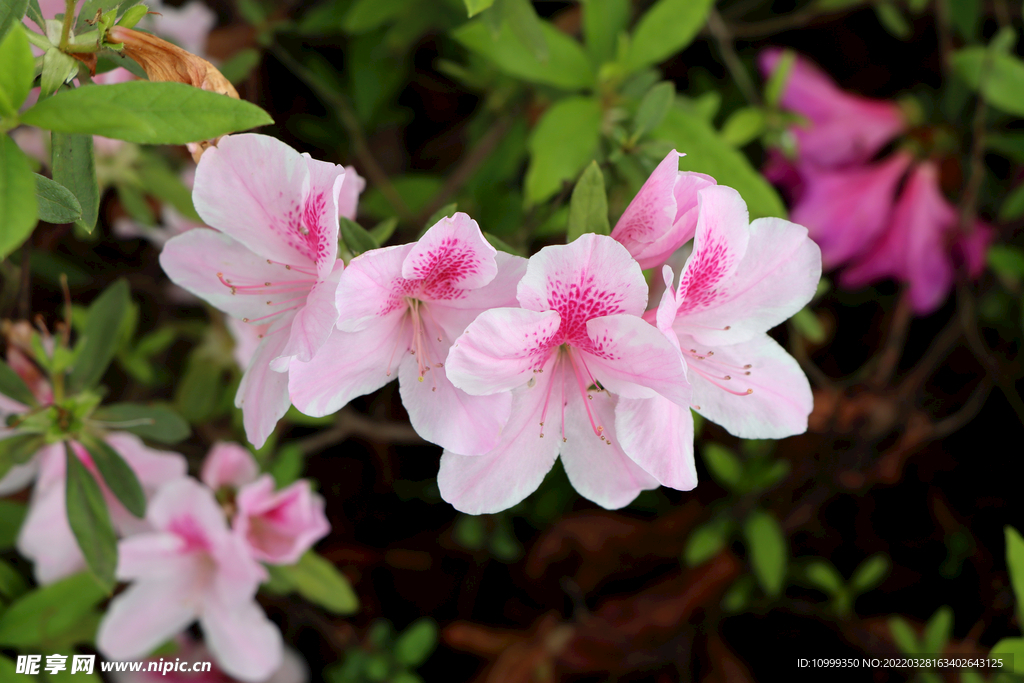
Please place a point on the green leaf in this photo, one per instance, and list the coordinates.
(665, 29)
(603, 22)
(526, 26)
(35, 13)
(706, 541)
(779, 77)
(502, 245)
(1010, 145)
(708, 153)
(743, 126)
(74, 167)
(446, 211)
(56, 203)
(725, 467)
(13, 386)
(90, 520)
(18, 209)
(566, 67)
(768, 551)
(998, 76)
(133, 16)
(16, 66)
(414, 646)
(12, 514)
(159, 180)
(965, 15)
(1015, 564)
(588, 210)
(824, 576)
(12, 584)
(383, 231)
(892, 20)
(1013, 205)
(809, 326)
(475, 7)
(357, 239)
(18, 450)
(366, 15)
(1011, 646)
(118, 475)
(90, 7)
(11, 12)
(319, 581)
(146, 112)
(155, 421)
(937, 631)
(98, 343)
(870, 573)
(654, 107)
(47, 612)
(241, 64)
(906, 639)
(287, 466)
(565, 139)
(1007, 262)
(57, 69)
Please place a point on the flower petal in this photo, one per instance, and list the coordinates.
(372, 286)
(46, 538)
(229, 464)
(263, 393)
(599, 470)
(592, 276)
(246, 644)
(501, 350)
(348, 198)
(452, 255)
(781, 395)
(312, 323)
(454, 315)
(153, 555)
(320, 214)
(146, 615)
(658, 435)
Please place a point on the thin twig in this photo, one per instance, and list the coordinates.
(965, 414)
(350, 423)
(982, 353)
(798, 19)
(892, 350)
(933, 356)
(339, 104)
(724, 38)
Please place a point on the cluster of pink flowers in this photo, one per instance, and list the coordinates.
(504, 362)
(877, 219)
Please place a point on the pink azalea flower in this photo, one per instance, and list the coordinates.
(400, 308)
(917, 247)
(229, 465)
(292, 669)
(273, 261)
(842, 128)
(846, 210)
(575, 349)
(663, 215)
(741, 280)
(45, 536)
(191, 567)
(279, 526)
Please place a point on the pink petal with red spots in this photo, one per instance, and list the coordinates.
(372, 286)
(320, 213)
(312, 323)
(451, 256)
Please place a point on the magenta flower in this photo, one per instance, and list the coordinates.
(846, 210)
(279, 526)
(663, 215)
(273, 262)
(917, 248)
(400, 308)
(842, 128)
(191, 567)
(575, 349)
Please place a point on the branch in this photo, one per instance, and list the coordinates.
(724, 38)
(350, 423)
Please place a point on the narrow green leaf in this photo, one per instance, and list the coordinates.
(133, 16)
(706, 541)
(965, 15)
(526, 26)
(588, 210)
(12, 584)
(665, 29)
(823, 575)
(44, 614)
(603, 22)
(118, 475)
(155, 421)
(356, 237)
(724, 465)
(937, 631)
(706, 152)
(98, 342)
(383, 231)
(319, 581)
(870, 573)
(57, 69)
(502, 245)
(999, 76)
(18, 209)
(13, 386)
(16, 67)
(146, 112)
(1007, 262)
(1013, 205)
(1010, 145)
(654, 107)
(90, 7)
(776, 84)
(768, 551)
(743, 126)
(74, 167)
(18, 450)
(11, 12)
(567, 66)
(56, 203)
(90, 520)
(366, 15)
(162, 182)
(12, 514)
(564, 140)
(238, 67)
(808, 325)
(904, 636)
(1015, 564)
(1010, 646)
(475, 7)
(35, 13)
(892, 20)
(287, 466)
(414, 646)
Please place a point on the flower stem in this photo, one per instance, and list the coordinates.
(69, 16)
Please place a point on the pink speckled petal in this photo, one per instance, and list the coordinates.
(313, 323)
(652, 212)
(320, 213)
(372, 286)
(452, 255)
